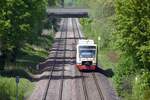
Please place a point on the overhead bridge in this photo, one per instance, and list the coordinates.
(68, 12)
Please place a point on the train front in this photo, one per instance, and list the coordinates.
(86, 55)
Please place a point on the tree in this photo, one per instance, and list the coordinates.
(133, 30)
(19, 21)
(133, 39)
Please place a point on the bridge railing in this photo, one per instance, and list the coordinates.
(68, 12)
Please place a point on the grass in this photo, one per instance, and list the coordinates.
(108, 58)
(8, 88)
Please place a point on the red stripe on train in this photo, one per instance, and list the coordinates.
(83, 67)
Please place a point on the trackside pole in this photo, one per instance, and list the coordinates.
(52, 29)
(98, 45)
(97, 57)
(17, 83)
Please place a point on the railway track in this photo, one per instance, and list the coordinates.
(84, 79)
(55, 61)
(92, 73)
(98, 87)
(64, 55)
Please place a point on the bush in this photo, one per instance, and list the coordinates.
(133, 39)
(124, 73)
(141, 86)
(133, 30)
(8, 88)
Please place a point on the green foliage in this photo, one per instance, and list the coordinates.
(21, 24)
(19, 20)
(100, 22)
(54, 3)
(31, 55)
(108, 58)
(133, 39)
(8, 88)
(124, 73)
(133, 30)
(141, 87)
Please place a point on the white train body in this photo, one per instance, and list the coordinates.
(86, 55)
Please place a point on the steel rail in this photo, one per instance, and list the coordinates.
(54, 64)
(93, 74)
(62, 74)
(98, 87)
(83, 79)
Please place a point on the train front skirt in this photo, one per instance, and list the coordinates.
(84, 67)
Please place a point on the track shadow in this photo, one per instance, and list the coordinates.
(59, 77)
(63, 49)
(52, 63)
(23, 74)
(15, 72)
(107, 72)
(61, 58)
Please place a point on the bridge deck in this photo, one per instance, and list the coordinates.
(67, 12)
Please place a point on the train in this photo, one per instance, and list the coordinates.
(86, 55)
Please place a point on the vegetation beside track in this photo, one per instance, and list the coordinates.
(23, 43)
(123, 26)
(8, 88)
(100, 24)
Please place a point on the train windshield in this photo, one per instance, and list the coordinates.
(87, 51)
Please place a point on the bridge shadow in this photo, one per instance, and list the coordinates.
(57, 77)
(16, 72)
(62, 49)
(23, 74)
(58, 62)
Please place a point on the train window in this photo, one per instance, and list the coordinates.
(87, 53)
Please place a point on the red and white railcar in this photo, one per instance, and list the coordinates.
(86, 55)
